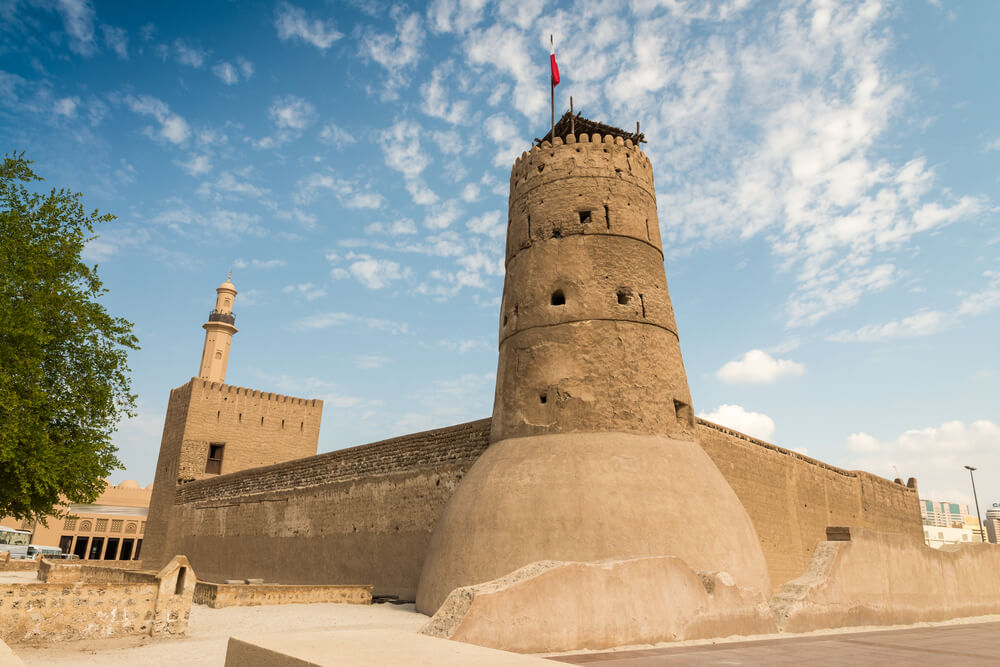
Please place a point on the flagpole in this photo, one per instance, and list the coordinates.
(552, 89)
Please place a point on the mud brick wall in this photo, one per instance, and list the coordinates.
(792, 498)
(359, 516)
(256, 428)
(223, 595)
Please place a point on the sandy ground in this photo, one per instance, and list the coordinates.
(210, 629)
(18, 577)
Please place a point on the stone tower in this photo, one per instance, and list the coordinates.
(593, 452)
(219, 332)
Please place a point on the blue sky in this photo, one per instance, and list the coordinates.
(827, 182)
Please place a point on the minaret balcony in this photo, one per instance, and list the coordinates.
(219, 316)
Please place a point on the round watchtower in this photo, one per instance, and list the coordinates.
(593, 449)
(588, 340)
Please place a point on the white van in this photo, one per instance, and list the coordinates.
(15, 541)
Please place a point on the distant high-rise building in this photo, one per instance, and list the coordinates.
(951, 515)
(993, 522)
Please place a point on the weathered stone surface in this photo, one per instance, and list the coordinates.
(792, 498)
(359, 516)
(253, 595)
(593, 433)
(880, 578)
(613, 603)
(258, 428)
(587, 497)
(98, 602)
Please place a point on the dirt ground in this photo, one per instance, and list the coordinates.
(210, 629)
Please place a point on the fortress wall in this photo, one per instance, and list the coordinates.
(792, 498)
(355, 516)
(257, 428)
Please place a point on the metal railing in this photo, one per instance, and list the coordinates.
(216, 316)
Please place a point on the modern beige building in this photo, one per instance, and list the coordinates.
(110, 528)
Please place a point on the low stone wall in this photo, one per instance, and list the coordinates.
(86, 602)
(8, 564)
(863, 577)
(217, 596)
(553, 606)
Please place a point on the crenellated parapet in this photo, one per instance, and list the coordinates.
(247, 392)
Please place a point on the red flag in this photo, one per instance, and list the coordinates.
(555, 67)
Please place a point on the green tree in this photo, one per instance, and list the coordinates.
(64, 377)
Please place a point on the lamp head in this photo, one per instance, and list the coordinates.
(970, 468)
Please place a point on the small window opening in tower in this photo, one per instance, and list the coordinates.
(213, 465)
(642, 302)
(649, 236)
(607, 216)
(557, 233)
(505, 320)
(624, 296)
(541, 167)
(261, 421)
(282, 423)
(683, 413)
(543, 398)
(240, 418)
(529, 226)
(558, 298)
(585, 217)
(218, 415)
(301, 425)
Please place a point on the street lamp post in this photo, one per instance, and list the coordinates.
(982, 531)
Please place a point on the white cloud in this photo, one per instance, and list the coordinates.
(400, 227)
(455, 15)
(920, 324)
(78, 20)
(434, 97)
(309, 291)
(196, 165)
(936, 456)
(993, 145)
(375, 273)
(173, 128)
(187, 54)
(116, 39)
(443, 215)
(488, 224)
(758, 366)
(336, 319)
(755, 424)
(182, 218)
(512, 54)
(470, 192)
(291, 22)
(291, 112)
(510, 143)
(226, 72)
(228, 186)
(979, 303)
(337, 136)
(66, 106)
(401, 147)
(348, 193)
(397, 52)
(862, 442)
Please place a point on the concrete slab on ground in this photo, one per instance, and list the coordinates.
(951, 644)
(363, 648)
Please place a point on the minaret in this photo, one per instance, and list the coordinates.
(593, 449)
(219, 332)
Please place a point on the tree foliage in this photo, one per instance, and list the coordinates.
(64, 377)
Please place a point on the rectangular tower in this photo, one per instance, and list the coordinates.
(213, 428)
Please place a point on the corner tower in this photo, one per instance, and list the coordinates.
(219, 332)
(594, 453)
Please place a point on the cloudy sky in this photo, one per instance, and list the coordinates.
(827, 180)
